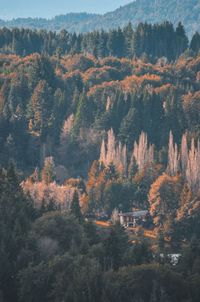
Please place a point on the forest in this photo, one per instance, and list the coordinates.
(93, 125)
(146, 40)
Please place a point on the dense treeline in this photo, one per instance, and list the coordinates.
(149, 11)
(43, 99)
(154, 41)
(57, 256)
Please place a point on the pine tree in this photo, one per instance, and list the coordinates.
(128, 34)
(40, 109)
(4, 92)
(11, 148)
(195, 42)
(102, 49)
(82, 118)
(136, 44)
(130, 125)
(181, 39)
(16, 215)
(113, 43)
(75, 207)
(115, 246)
(161, 241)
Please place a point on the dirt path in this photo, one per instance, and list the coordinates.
(103, 224)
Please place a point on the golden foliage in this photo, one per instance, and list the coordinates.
(77, 62)
(133, 81)
(99, 75)
(164, 195)
(108, 87)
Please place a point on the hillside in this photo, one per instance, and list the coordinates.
(77, 22)
(150, 11)
(65, 107)
(101, 126)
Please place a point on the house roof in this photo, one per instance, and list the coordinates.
(134, 214)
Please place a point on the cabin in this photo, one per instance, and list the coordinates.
(132, 219)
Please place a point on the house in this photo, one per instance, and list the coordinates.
(132, 219)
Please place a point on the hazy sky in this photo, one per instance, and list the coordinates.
(49, 8)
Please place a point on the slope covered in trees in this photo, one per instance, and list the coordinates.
(91, 135)
(128, 114)
(56, 256)
(151, 11)
(44, 99)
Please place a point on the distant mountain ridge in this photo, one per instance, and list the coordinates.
(73, 22)
(151, 11)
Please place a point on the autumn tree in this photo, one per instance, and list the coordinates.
(48, 171)
(193, 167)
(173, 157)
(113, 153)
(184, 153)
(142, 152)
(164, 197)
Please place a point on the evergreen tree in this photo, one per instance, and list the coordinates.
(102, 48)
(115, 246)
(181, 39)
(112, 43)
(195, 42)
(83, 115)
(128, 43)
(136, 44)
(40, 109)
(130, 126)
(75, 207)
(16, 215)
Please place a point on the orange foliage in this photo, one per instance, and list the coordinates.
(120, 64)
(191, 105)
(192, 99)
(162, 193)
(133, 81)
(164, 89)
(108, 86)
(98, 75)
(78, 62)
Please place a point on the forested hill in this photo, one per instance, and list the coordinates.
(91, 125)
(151, 11)
(73, 112)
(73, 22)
